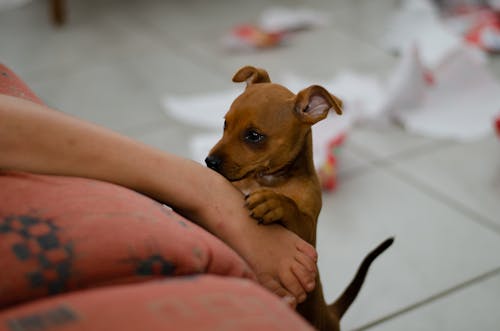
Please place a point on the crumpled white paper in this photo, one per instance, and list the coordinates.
(463, 97)
(202, 110)
(281, 19)
(461, 103)
(417, 23)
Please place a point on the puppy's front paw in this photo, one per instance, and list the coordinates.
(266, 206)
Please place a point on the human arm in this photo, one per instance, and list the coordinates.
(38, 139)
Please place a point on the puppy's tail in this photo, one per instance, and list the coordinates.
(340, 306)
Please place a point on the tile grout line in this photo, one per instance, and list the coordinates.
(431, 299)
(423, 187)
(389, 165)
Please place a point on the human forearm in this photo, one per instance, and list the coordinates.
(37, 139)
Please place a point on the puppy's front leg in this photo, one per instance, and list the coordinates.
(269, 207)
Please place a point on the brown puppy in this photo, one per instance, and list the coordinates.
(266, 152)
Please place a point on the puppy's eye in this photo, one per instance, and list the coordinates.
(253, 136)
(225, 125)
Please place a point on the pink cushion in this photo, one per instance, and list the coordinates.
(59, 234)
(182, 303)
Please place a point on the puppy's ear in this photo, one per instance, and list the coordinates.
(313, 103)
(338, 104)
(251, 75)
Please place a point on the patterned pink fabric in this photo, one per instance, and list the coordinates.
(59, 234)
(182, 303)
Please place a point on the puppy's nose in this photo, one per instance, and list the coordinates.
(213, 162)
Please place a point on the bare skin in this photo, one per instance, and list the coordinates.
(38, 139)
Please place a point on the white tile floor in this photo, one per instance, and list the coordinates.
(115, 60)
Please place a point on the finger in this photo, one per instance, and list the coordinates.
(277, 288)
(292, 284)
(308, 250)
(307, 277)
(306, 262)
(286, 296)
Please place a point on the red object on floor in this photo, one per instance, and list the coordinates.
(257, 37)
(248, 36)
(497, 125)
(328, 171)
(485, 32)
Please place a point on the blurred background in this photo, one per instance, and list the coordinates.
(416, 156)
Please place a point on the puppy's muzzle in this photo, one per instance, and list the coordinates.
(213, 162)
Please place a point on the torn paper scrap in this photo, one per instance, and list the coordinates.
(202, 110)
(418, 23)
(406, 87)
(461, 104)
